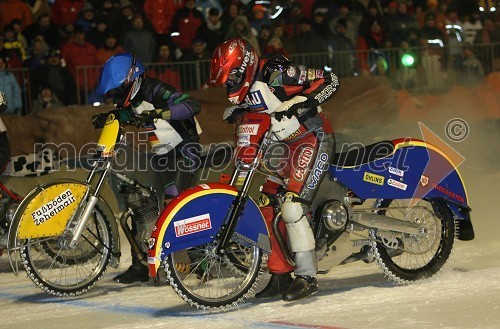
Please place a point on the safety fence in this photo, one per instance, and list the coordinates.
(433, 68)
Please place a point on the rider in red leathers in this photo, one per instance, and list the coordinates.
(293, 93)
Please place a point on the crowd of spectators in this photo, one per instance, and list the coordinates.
(53, 38)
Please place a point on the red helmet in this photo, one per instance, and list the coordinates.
(234, 63)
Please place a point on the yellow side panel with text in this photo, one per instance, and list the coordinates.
(49, 211)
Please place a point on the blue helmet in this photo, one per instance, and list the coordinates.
(122, 72)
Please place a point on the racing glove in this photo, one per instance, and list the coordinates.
(148, 117)
(123, 116)
(99, 120)
(289, 108)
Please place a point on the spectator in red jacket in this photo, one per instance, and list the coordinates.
(160, 13)
(66, 11)
(372, 60)
(77, 53)
(162, 70)
(14, 9)
(111, 47)
(186, 22)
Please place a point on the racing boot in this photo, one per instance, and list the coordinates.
(302, 287)
(276, 286)
(133, 274)
(137, 272)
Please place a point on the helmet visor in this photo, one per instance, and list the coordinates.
(234, 82)
(234, 78)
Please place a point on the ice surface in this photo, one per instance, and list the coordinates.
(465, 294)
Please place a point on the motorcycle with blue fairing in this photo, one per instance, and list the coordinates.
(386, 203)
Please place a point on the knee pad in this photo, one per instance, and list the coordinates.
(300, 234)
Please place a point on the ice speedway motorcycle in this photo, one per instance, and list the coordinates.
(64, 232)
(378, 203)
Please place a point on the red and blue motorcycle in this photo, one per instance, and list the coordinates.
(398, 203)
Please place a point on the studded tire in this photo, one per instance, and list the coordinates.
(64, 272)
(212, 282)
(421, 257)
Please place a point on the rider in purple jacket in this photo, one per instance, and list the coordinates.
(124, 78)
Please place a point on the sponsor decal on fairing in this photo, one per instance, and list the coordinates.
(424, 180)
(373, 179)
(396, 184)
(396, 171)
(151, 242)
(53, 207)
(192, 225)
(449, 193)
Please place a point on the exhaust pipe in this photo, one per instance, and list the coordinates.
(130, 237)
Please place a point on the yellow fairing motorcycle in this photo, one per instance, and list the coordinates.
(65, 233)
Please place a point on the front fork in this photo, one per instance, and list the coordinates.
(89, 207)
(241, 199)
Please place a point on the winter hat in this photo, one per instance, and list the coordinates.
(54, 53)
(214, 12)
(87, 7)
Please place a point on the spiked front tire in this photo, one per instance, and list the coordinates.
(63, 271)
(210, 281)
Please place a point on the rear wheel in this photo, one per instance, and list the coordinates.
(410, 257)
(207, 280)
(63, 271)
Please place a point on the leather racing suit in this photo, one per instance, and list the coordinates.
(308, 137)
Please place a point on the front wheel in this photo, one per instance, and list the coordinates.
(207, 280)
(64, 271)
(410, 257)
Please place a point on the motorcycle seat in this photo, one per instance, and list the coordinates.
(358, 156)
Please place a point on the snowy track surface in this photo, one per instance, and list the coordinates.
(465, 294)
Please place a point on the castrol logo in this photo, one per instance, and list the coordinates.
(305, 158)
(192, 225)
(248, 129)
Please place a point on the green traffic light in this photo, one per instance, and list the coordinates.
(407, 60)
